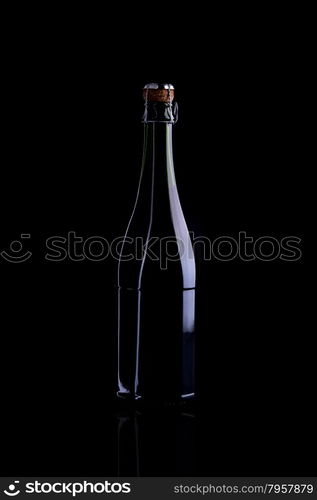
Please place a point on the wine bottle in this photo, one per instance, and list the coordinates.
(156, 272)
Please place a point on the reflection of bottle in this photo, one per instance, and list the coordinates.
(156, 272)
(128, 445)
(160, 443)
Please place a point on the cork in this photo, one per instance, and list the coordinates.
(158, 94)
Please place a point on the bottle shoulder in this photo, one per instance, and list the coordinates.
(157, 233)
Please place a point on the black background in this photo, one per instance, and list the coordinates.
(72, 139)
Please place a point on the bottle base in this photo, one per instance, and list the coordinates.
(136, 401)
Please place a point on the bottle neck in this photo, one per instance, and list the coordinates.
(158, 151)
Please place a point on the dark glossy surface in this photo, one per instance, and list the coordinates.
(71, 153)
(143, 439)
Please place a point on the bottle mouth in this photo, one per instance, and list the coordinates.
(159, 86)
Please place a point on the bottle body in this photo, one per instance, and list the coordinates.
(156, 344)
(156, 284)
